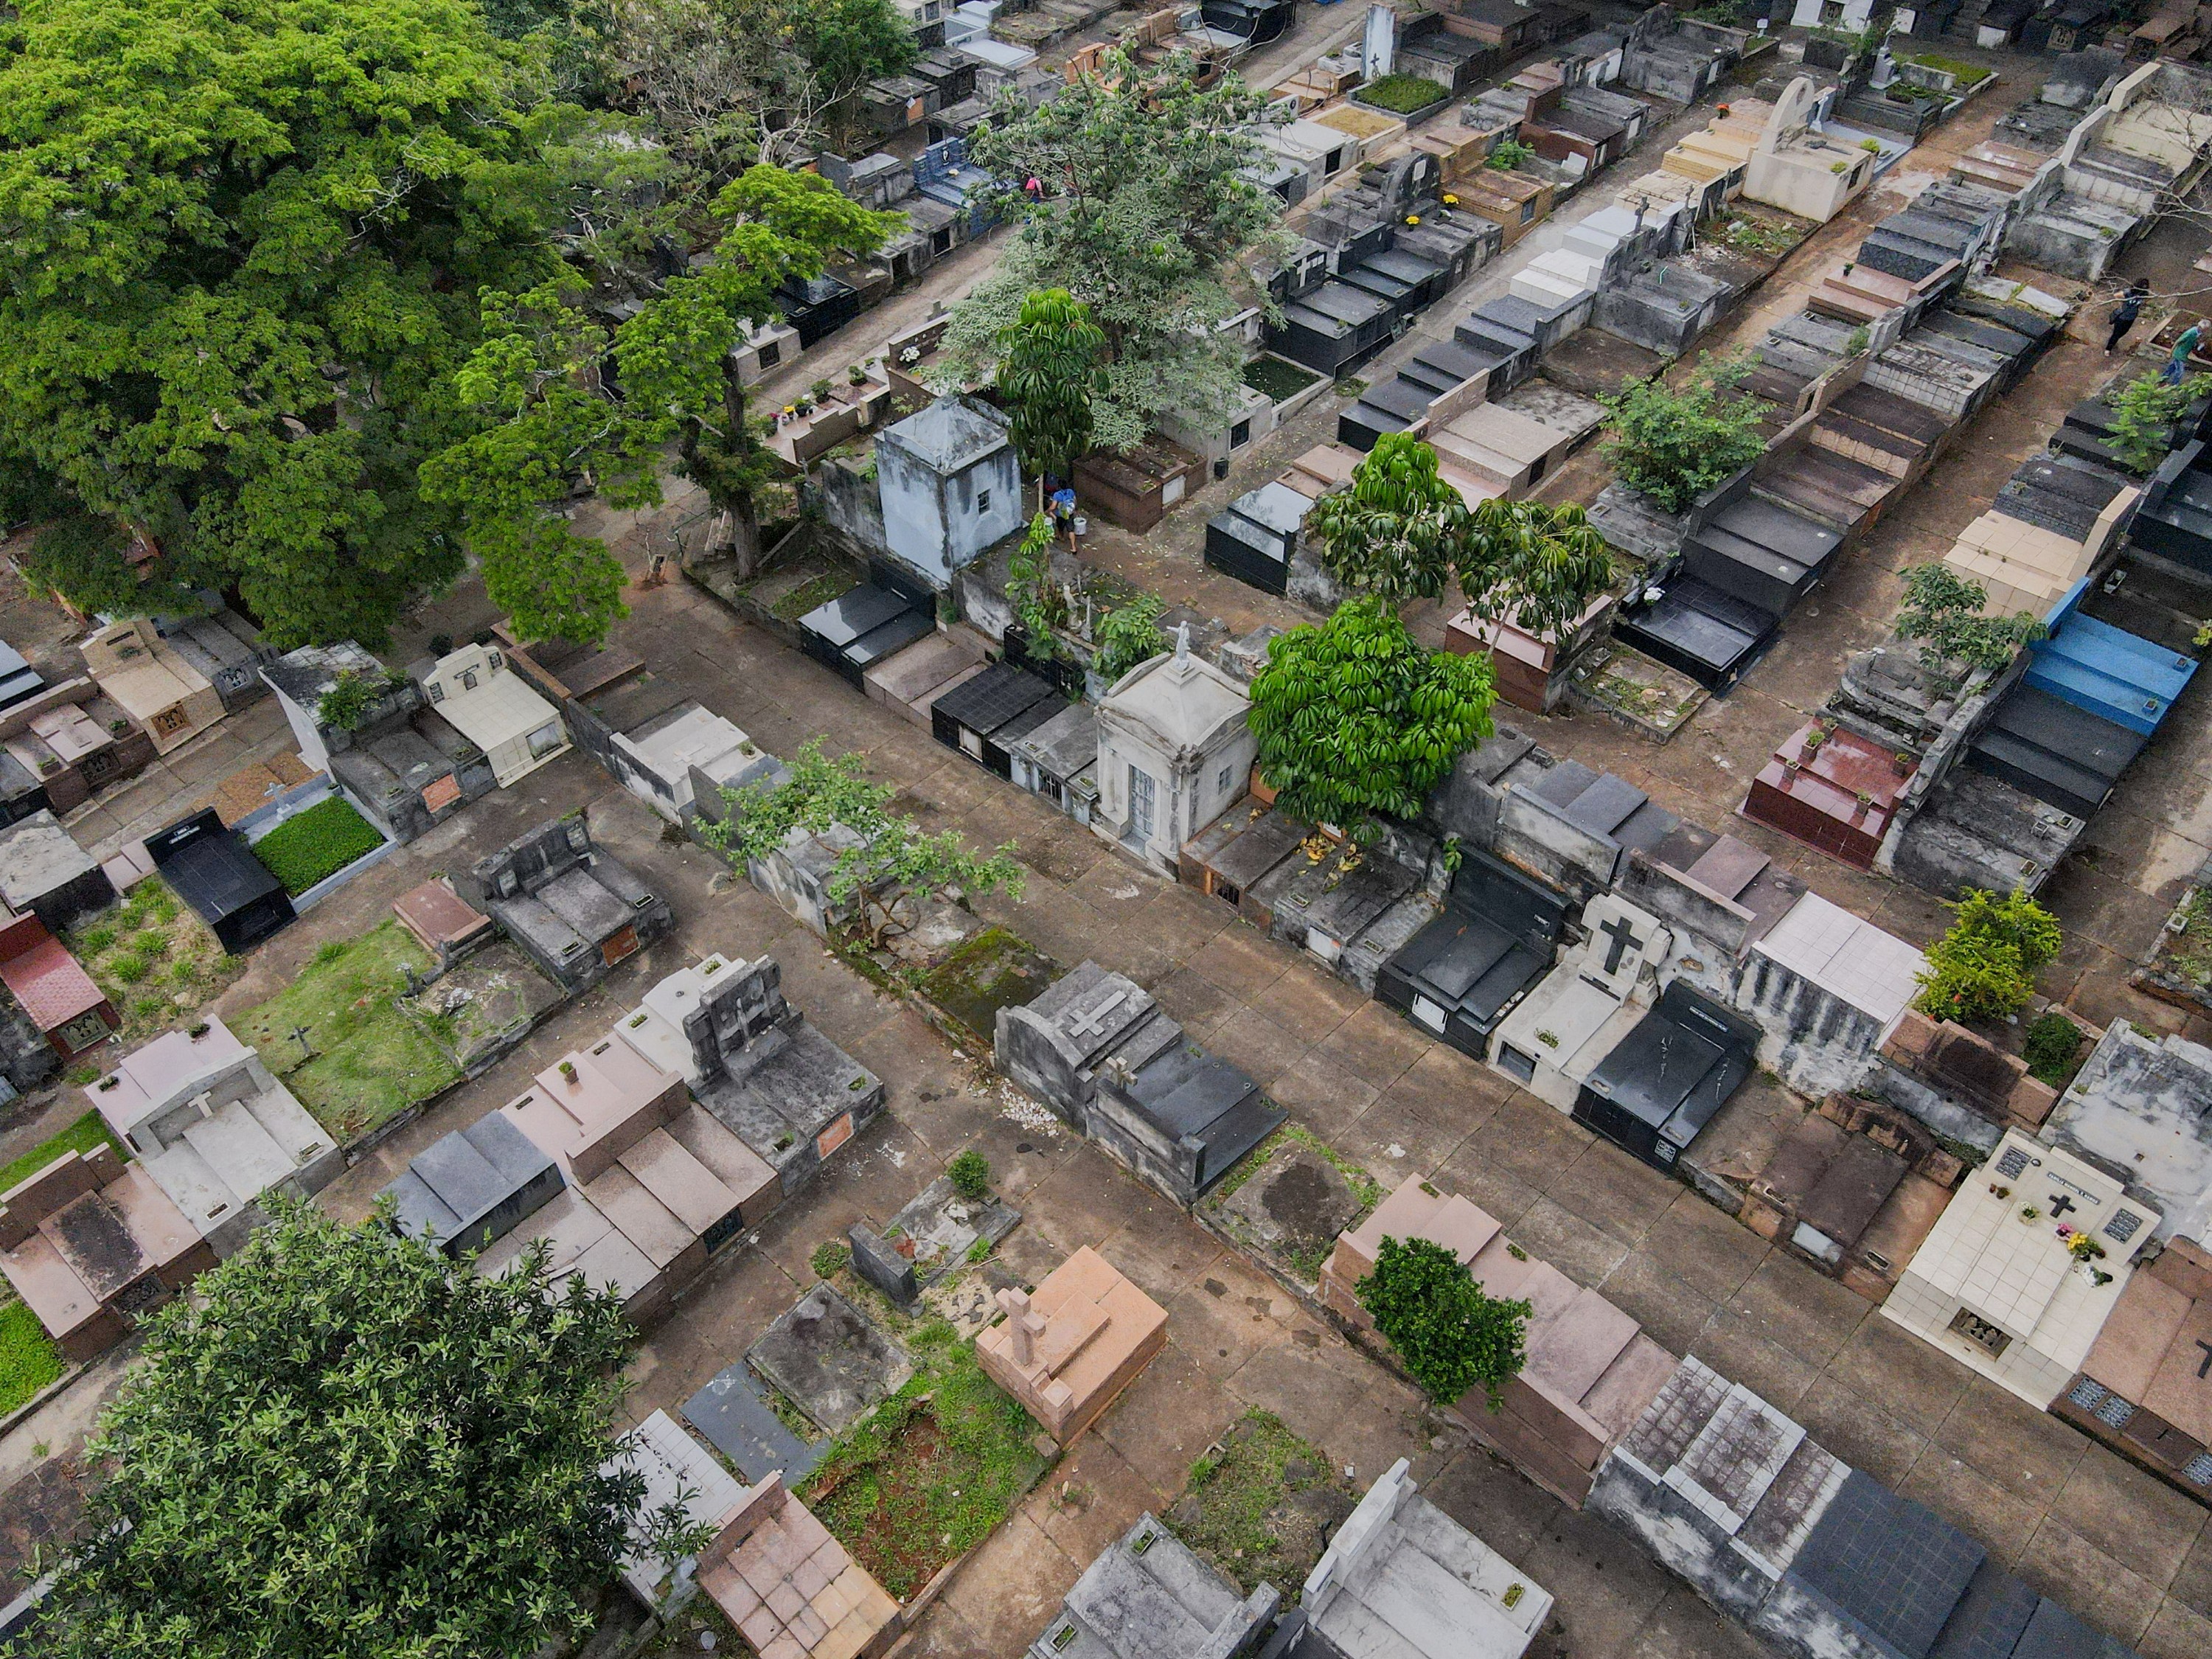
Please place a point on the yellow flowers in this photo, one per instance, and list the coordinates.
(1413, 218)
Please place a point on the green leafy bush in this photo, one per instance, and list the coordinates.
(29, 1358)
(1984, 969)
(317, 844)
(1946, 610)
(1401, 95)
(829, 1258)
(2052, 1049)
(1451, 1336)
(2143, 417)
(351, 695)
(1507, 154)
(970, 1175)
(1129, 635)
(1673, 446)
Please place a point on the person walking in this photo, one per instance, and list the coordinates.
(2178, 365)
(2125, 313)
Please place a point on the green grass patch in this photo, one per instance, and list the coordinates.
(816, 591)
(1401, 95)
(29, 1361)
(151, 939)
(1261, 1508)
(369, 1060)
(931, 1471)
(317, 844)
(1967, 74)
(1273, 377)
(82, 1136)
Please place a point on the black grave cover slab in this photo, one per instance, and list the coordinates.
(2062, 756)
(2052, 1632)
(1188, 1095)
(470, 1188)
(735, 1416)
(1887, 1563)
(968, 717)
(18, 679)
(1497, 936)
(214, 872)
(1667, 1078)
(1697, 629)
(1990, 1618)
(858, 630)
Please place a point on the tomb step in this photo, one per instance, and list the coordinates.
(2143, 661)
(2108, 696)
(1912, 421)
(2035, 771)
(1776, 527)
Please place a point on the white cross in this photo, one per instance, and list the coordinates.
(1092, 1022)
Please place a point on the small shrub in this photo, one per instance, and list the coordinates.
(1674, 446)
(1984, 969)
(1509, 154)
(331, 950)
(2052, 1049)
(351, 695)
(1129, 635)
(1450, 1335)
(2143, 417)
(128, 968)
(829, 1258)
(93, 940)
(971, 1175)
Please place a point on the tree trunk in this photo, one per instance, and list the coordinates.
(721, 464)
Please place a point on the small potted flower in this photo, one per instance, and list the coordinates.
(857, 374)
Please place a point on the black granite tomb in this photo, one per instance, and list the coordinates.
(735, 1416)
(853, 632)
(1498, 935)
(2062, 756)
(470, 1188)
(981, 716)
(1695, 629)
(214, 871)
(1887, 1565)
(1669, 1076)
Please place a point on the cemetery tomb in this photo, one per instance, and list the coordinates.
(51, 987)
(494, 708)
(2021, 566)
(19, 681)
(1589, 1370)
(1058, 760)
(817, 306)
(1238, 850)
(1255, 536)
(154, 686)
(910, 680)
(1831, 489)
(1761, 552)
(89, 1242)
(1838, 797)
(789, 1094)
(1328, 906)
(929, 1239)
(1491, 451)
(673, 1466)
(1665, 1080)
(1068, 1351)
(1531, 673)
(861, 628)
(830, 1360)
(1696, 630)
(1103, 1055)
(230, 890)
(1402, 1580)
(1175, 749)
(734, 1415)
(440, 922)
(1584, 1007)
(206, 1119)
(2175, 520)
(1851, 1202)
(1134, 491)
(790, 1587)
(1820, 968)
(1662, 309)
(1333, 330)
(2105, 671)
(2052, 751)
(2142, 1390)
(981, 716)
(1464, 972)
(2062, 494)
(2001, 1285)
(575, 911)
(673, 761)
(1576, 828)
(623, 1131)
(468, 1189)
(1148, 1595)
(2137, 1103)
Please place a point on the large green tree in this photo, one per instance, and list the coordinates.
(1048, 375)
(1355, 719)
(1142, 208)
(342, 1445)
(1673, 443)
(244, 241)
(555, 426)
(1399, 530)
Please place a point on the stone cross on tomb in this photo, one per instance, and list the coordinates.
(2204, 1370)
(2060, 1204)
(1091, 1021)
(1023, 1327)
(1623, 940)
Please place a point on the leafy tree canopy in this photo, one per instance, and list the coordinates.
(1673, 445)
(1451, 1336)
(1354, 719)
(247, 240)
(1141, 211)
(1129, 634)
(1539, 565)
(1048, 376)
(553, 428)
(341, 1445)
(892, 867)
(2143, 414)
(1946, 610)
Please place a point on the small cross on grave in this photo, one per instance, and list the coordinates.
(2060, 1204)
(1623, 940)
(299, 1036)
(2204, 1370)
(1092, 1021)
